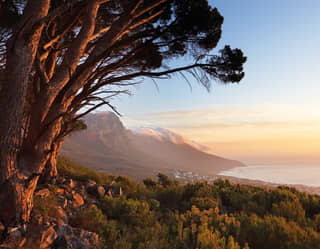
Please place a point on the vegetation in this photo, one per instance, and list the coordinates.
(166, 214)
(76, 171)
(45, 206)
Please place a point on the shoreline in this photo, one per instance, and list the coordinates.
(259, 183)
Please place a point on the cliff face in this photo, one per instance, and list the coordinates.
(108, 145)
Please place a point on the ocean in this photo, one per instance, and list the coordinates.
(278, 174)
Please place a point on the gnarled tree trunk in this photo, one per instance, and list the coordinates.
(17, 186)
(17, 177)
(50, 172)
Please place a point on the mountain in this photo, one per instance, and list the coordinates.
(107, 145)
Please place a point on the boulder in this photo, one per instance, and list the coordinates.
(90, 183)
(113, 191)
(43, 193)
(14, 232)
(70, 183)
(61, 243)
(47, 237)
(72, 238)
(59, 214)
(59, 191)
(96, 190)
(77, 200)
(62, 201)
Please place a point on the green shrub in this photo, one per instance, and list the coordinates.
(45, 206)
(89, 218)
(76, 171)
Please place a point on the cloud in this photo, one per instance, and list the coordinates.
(268, 131)
(229, 117)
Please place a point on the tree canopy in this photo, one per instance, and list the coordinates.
(60, 60)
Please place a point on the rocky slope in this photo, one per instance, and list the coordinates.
(58, 217)
(107, 145)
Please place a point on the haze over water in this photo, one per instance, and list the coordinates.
(279, 174)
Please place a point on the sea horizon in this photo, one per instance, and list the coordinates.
(308, 175)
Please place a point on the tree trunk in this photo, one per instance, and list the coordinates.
(16, 192)
(50, 172)
(18, 174)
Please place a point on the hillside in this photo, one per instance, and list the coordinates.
(108, 145)
(85, 209)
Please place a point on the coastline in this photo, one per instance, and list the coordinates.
(259, 183)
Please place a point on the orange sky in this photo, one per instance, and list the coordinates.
(260, 135)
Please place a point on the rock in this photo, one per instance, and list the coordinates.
(96, 190)
(43, 193)
(59, 214)
(100, 191)
(61, 180)
(14, 232)
(47, 237)
(117, 191)
(90, 183)
(69, 237)
(59, 191)
(70, 183)
(77, 200)
(61, 243)
(67, 188)
(22, 242)
(36, 220)
(113, 191)
(62, 201)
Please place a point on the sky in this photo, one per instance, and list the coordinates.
(273, 115)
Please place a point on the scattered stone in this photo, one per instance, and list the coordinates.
(91, 183)
(74, 238)
(37, 220)
(22, 242)
(59, 191)
(1, 226)
(5, 247)
(67, 188)
(70, 183)
(113, 191)
(77, 200)
(60, 180)
(117, 191)
(100, 191)
(14, 232)
(48, 236)
(96, 190)
(60, 214)
(62, 201)
(61, 243)
(43, 193)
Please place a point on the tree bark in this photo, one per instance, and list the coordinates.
(16, 193)
(50, 172)
(17, 179)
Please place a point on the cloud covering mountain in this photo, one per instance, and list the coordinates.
(108, 145)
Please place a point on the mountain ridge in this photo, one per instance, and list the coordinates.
(108, 145)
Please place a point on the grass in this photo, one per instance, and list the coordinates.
(67, 168)
(89, 218)
(45, 206)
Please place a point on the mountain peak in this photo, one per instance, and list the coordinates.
(164, 134)
(140, 152)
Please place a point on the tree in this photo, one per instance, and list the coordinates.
(63, 59)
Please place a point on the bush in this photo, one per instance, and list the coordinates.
(67, 168)
(90, 218)
(45, 206)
